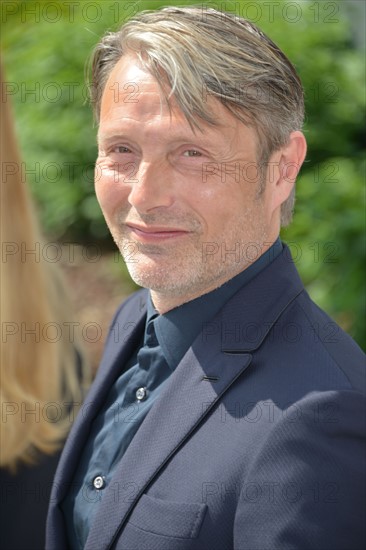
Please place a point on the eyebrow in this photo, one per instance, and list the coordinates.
(103, 137)
(112, 132)
(107, 136)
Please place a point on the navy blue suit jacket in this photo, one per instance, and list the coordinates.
(256, 442)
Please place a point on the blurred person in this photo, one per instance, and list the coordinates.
(228, 411)
(44, 375)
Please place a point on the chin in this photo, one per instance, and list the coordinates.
(163, 279)
(156, 278)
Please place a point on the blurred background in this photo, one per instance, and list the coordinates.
(45, 46)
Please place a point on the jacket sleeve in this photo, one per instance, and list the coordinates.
(306, 486)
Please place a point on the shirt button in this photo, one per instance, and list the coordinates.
(98, 482)
(141, 394)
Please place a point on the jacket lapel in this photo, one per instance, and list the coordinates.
(125, 336)
(198, 382)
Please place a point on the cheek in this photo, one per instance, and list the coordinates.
(231, 208)
(216, 212)
(110, 192)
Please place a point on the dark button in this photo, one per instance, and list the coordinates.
(141, 394)
(98, 482)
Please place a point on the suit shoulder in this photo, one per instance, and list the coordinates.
(339, 346)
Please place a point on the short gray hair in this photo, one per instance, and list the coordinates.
(196, 52)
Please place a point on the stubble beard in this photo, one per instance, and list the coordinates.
(166, 269)
(185, 271)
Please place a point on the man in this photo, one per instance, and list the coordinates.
(223, 415)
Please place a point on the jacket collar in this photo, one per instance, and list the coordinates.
(247, 319)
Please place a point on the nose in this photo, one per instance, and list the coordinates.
(151, 187)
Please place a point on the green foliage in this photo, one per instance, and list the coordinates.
(46, 49)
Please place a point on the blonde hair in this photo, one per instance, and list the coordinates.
(38, 376)
(196, 52)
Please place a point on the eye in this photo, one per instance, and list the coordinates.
(121, 149)
(192, 153)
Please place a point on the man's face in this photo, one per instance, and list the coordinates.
(182, 205)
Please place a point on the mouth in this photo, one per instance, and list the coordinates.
(155, 233)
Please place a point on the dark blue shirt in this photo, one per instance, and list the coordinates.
(166, 339)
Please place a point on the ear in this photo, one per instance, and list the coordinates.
(284, 167)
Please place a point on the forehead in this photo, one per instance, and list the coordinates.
(131, 88)
(132, 95)
(127, 80)
(129, 83)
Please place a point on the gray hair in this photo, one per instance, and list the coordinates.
(198, 52)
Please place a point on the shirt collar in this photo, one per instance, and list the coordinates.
(177, 329)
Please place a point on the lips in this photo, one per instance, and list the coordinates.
(149, 233)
